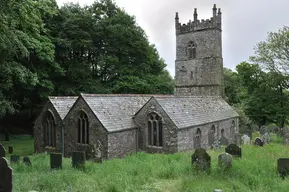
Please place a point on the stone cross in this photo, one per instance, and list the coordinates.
(6, 173)
(246, 139)
(2, 151)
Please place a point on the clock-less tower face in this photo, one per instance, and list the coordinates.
(199, 63)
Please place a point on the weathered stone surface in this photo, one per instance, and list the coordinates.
(263, 130)
(26, 161)
(259, 142)
(246, 140)
(55, 160)
(224, 141)
(225, 161)
(2, 151)
(283, 167)
(10, 149)
(234, 150)
(5, 176)
(14, 159)
(266, 138)
(201, 160)
(78, 159)
(237, 138)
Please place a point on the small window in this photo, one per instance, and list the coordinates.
(233, 128)
(198, 139)
(82, 126)
(155, 130)
(191, 50)
(49, 130)
(212, 135)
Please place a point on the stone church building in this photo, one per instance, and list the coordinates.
(115, 125)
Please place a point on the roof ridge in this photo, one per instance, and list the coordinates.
(124, 95)
(62, 97)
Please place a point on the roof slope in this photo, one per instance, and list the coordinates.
(192, 111)
(116, 111)
(62, 104)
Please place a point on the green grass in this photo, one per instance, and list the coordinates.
(255, 171)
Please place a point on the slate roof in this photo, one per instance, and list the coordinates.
(62, 104)
(192, 110)
(116, 111)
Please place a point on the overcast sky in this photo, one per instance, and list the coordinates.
(245, 23)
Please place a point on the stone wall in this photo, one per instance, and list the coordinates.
(186, 136)
(96, 131)
(122, 143)
(39, 130)
(169, 129)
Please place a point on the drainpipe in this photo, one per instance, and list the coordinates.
(62, 138)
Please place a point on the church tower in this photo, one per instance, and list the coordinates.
(199, 62)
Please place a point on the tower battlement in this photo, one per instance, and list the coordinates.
(199, 25)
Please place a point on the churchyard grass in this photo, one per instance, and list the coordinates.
(255, 171)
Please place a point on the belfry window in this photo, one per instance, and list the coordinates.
(155, 130)
(49, 130)
(82, 127)
(191, 50)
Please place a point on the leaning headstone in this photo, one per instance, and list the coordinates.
(201, 160)
(224, 141)
(10, 149)
(55, 160)
(246, 139)
(259, 142)
(5, 175)
(283, 167)
(2, 151)
(266, 138)
(14, 159)
(225, 161)
(27, 161)
(78, 159)
(234, 150)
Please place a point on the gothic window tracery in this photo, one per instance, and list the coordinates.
(49, 130)
(82, 128)
(155, 130)
(191, 50)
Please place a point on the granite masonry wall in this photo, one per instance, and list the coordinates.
(39, 146)
(169, 129)
(96, 131)
(186, 136)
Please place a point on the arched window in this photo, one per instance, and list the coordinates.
(233, 128)
(222, 133)
(198, 139)
(49, 130)
(82, 126)
(191, 50)
(211, 137)
(155, 130)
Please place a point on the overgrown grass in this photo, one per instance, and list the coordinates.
(255, 171)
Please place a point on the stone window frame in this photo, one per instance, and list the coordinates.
(191, 50)
(82, 128)
(198, 138)
(49, 132)
(233, 128)
(212, 133)
(155, 121)
(222, 132)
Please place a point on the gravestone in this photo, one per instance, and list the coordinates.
(216, 145)
(5, 176)
(283, 167)
(201, 160)
(55, 160)
(286, 138)
(90, 152)
(14, 159)
(234, 150)
(263, 130)
(225, 161)
(27, 161)
(78, 159)
(259, 142)
(246, 139)
(10, 149)
(266, 138)
(237, 138)
(2, 151)
(224, 141)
